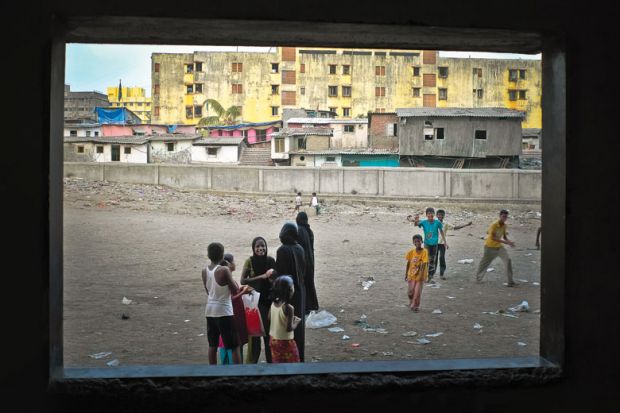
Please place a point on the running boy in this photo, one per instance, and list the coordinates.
(432, 228)
(441, 247)
(297, 202)
(493, 248)
(417, 272)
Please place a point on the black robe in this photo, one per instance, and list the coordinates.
(290, 261)
(306, 240)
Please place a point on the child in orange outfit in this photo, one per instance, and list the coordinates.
(417, 272)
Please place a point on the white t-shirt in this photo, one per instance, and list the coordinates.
(298, 200)
(219, 303)
(446, 226)
(314, 201)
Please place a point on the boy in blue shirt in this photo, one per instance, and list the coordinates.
(432, 228)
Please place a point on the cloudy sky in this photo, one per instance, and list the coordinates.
(97, 66)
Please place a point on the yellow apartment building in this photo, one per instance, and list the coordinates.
(132, 98)
(349, 82)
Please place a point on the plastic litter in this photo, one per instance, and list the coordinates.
(320, 319)
(409, 334)
(434, 334)
(186, 321)
(336, 329)
(437, 311)
(101, 355)
(477, 326)
(450, 297)
(345, 337)
(522, 344)
(388, 353)
(355, 345)
(113, 363)
(535, 283)
(524, 306)
(529, 254)
(423, 341)
(127, 301)
(523, 281)
(366, 282)
(490, 269)
(466, 261)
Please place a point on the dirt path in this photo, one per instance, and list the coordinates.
(148, 244)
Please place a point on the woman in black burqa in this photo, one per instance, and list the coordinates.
(290, 261)
(306, 240)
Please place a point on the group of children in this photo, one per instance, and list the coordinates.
(314, 202)
(430, 250)
(225, 313)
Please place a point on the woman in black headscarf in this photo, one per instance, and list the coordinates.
(306, 240)
(257, 273)
(290, 261)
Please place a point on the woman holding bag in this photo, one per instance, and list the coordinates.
(256, 273)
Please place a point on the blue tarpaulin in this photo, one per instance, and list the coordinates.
(112, 115)
(172, 128)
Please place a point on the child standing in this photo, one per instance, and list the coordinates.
(432, 228)
(283, 322)
(417, 272)
(314, 202)
(441, 247)
(297, 202)
(238, 316)
(221, 289)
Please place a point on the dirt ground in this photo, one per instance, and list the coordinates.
(148, 244)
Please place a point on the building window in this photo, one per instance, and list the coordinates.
(170, 146)
(443, 94)
(346, 69)
(302, 90)
(443, 71)
(198, 66)
(512, 94)
(72, 133)
(279, 145)
(380, 110)
(87, 133)
(261, 135)
(346, 112)
(127, 150)
(274, 110)
(480, 134)
(80, 149)
(275, 68)
(189, 112)
(416, 92)
(237, 67)
(522, 94)
(301, 143)
(302, 68)
(332, 69)
(330, 159)
(429, 132)
(96, 133)
(190, 89)
(197, 111)
(416, 71)
(479, 93)
(522, 73)
(211, 152)
(237, 88)
(189, 68)
(332, 110)
(275, 89)
(156, 110)
(379, 70)
(198, 88)
(439, 133)
(391, 129)
(332, 91)
(346, 91)
(156, 67)
(380, 91)
(349, 128)
(512, 75)
(477, 71)
(99, 149)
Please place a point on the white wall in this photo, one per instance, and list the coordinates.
(225, 154)
(81, 131)
(281, 155)
(356, 139)
(137, 155)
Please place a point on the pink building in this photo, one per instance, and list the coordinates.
(255, 133)
(146, 129)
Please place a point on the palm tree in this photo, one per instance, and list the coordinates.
(223, 116)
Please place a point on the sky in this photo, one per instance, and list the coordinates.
(96, 66)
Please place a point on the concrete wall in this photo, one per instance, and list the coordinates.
(182, 152)
(393, 182)
(138, 153)
(228, 154)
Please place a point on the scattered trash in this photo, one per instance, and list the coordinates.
(186, 321)
(201, 334)
(388, 353)
(522, 344)
(529, 254)
(320, 319)
(423, 341)
(355, 345)
(523, 281)
(342, 310)
(124, 316)
(524, 306)
(155, 297)
(536, 311)
(535, 283)
(409, 334)
(533, 262)
(345, 240)
(336, 329)
(509, 315)
(437, 311)
(127, 301)
(376, 330)
(373, 353)
(434, 334)
(366, 282)
(450, 297)
(113, 363)
(490, 269)
(345, 337)
(101, 355)
(363, 317)
(466, 261)
(477, 326)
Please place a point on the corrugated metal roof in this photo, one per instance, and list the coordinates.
(174, 137)
(531, 131)
(361, 151)
(459, 112)
(303, 132)
(222, 140)
(327, 121)
(125, 140)
(247, 125)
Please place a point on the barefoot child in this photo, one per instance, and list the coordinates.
(283, 322)
(417, 272)
(441, 248)
(432, 229)
(238, 317)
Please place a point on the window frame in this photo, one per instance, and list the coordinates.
(552, 343)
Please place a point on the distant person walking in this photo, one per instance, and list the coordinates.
(314, 202)
(432, 229)
(290, 261)
(497, 234)
(298, 202)
(306, 240)
(441, 247)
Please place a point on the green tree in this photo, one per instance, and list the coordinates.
(222, 116)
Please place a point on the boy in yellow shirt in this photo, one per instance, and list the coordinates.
(497, 234)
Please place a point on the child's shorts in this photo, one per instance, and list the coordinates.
(224, 326)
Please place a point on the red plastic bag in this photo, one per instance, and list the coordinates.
(253, 319)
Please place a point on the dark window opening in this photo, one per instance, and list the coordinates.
(439, 133)
(198, 66)
(346, 69)
(522, 73)
(99, 149)
(512, 94)
(416, 92)
(480, 134)
(349, 128)
(127, 150)
(332, 69)
(170, 146)
(522, 94)
(416, 71)
(275, 89)
(197, 110)
(80, 149)
(301, 144)
(332, 91)
(443, 71)
(443, 94)
(512, 75)
(330, 159)
(261, 135)
(346, 91)
(275, 68)
(198, 87)
(72, 133)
